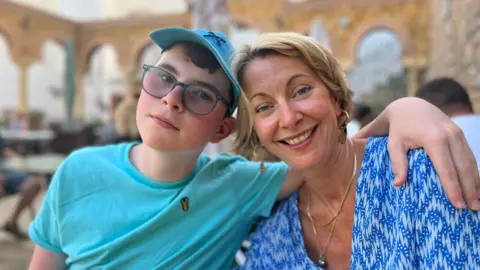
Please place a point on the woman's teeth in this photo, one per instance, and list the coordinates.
(299, 139)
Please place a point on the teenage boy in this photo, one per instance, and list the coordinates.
(160, 204)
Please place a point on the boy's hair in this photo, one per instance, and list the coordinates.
(202, 58)
(447, 94)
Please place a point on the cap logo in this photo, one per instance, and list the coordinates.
(218, 39)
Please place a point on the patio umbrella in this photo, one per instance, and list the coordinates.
(69, 84)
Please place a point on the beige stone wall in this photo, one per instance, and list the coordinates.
(455, 43)
(50, 6)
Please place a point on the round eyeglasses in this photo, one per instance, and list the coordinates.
(198, 99)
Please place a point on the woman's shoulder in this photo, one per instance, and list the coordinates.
(377, 156)
(416, 216)
(377, 175)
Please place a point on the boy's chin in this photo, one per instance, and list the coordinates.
(172, 147)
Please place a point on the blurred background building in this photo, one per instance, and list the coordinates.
(455, 43)
(70, 69)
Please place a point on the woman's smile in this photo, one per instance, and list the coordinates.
(299, 141)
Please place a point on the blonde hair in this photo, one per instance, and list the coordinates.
(311, 53)
(125, 117)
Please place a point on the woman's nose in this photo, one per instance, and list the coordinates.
(289, 117)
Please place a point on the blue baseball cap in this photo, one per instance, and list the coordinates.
(217, 42)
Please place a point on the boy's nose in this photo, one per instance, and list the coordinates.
(174, 99)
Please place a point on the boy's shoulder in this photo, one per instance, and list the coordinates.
(93, 160)
(90, 169)
(227, 166)
(226, 162)
(91, 154)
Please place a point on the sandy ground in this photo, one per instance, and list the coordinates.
(15, 255)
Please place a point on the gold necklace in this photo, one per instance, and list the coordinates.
(322, 262)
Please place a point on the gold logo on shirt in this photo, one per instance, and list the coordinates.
(184, 203)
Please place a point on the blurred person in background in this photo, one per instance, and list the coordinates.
(13, 182)
(453, 99)
(362, 115)
(125, 120)
(18, 121)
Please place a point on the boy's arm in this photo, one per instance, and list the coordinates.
(293, 181)
(413, 123)
(45, 259)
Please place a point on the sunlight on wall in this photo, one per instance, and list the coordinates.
(8, 78)
(46, 81)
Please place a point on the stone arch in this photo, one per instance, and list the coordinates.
(139, 49)
(399, 30)
(244, 22)
(46, 81)
(306, 28)
(59, 41)
(101, 74)
(86, 55)
(10, 71)
(7, 36)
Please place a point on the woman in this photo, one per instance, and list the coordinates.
(347, 214)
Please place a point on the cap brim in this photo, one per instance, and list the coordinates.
(166, 37)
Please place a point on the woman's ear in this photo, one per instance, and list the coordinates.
(337, 106)
(227, 127)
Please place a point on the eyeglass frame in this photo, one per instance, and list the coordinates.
(184, 86)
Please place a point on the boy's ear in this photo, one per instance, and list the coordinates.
(227, 127)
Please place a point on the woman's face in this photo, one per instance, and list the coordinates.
(295, 116)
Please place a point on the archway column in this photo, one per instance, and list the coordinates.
(22, 93)
(23, 65)
(413, 66)
(413, 82)
(79, 94)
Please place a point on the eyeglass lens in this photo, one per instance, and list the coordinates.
(196, 98)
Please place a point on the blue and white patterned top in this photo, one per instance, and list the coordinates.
(411, 227)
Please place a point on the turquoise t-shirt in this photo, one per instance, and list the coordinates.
(100, 211)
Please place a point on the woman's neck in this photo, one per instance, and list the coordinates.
(163, 167)
(329, 181)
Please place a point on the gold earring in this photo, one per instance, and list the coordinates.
(262, 166)
(342, 138)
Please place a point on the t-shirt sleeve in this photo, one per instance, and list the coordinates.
(441, 230)
(259, 190)
(44, 231)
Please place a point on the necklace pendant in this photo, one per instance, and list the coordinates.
(322, 262)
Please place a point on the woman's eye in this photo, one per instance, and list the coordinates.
(261, 109)
(302, 91)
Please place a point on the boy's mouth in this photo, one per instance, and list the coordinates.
(163, 122)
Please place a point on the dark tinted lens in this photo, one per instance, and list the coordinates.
(157, 82)
(199, 99)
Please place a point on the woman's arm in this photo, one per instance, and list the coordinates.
(413, 123)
